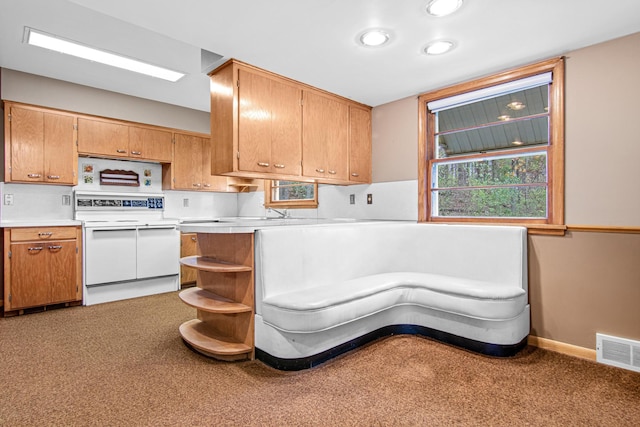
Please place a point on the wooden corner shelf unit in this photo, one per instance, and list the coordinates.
(223, 297)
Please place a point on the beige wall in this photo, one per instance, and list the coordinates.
(603, 134)
(38, 90)
(584, 282)
(395, 141)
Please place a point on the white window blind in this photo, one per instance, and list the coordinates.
(489, 92)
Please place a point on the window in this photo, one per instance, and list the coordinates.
(492, 150)
(290, 194)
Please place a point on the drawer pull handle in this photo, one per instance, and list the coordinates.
(332, 172)
(263, 164)
(207, 185)
(279, 166)
(53, 176)
(45, 233)
(34, 175)
(193, 238)
(320, 170)
(51, 248)
(121, 151)
(136, 153)
(196, 185)
(355, 174)
(34, 248)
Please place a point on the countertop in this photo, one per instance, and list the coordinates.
(40, 223)
(242, 225)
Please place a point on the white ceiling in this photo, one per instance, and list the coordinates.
(313, 41)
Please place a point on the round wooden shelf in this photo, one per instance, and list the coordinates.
(213, 265)
(210, 302)
(199, 335)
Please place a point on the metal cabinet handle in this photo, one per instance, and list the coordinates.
(196, 184)
(45, 234)
(207, 185)
(136, 153)
(121, 151)
(355, 174)
(53, 176)
(193, 239)
(51, 248)
(332, 172)
(320, 170)
(34, 248)
(34, 175)
(263, 164)
(279, 166)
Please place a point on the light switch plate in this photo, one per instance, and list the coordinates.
(8, 199)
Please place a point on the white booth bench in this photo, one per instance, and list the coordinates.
(322, 290)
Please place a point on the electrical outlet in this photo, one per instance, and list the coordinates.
(66, 200)
(185, 203)
(352, 199)
(8, 199)
(369, 199)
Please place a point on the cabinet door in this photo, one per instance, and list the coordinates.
(26, 145)
(150, 144)
(187, 161)
(325, 137)
(102, 138)
(210, 182)
(60, 152)
(188, 247)
(359, 145)
(269, 124)
(63, 274)
(30, 284)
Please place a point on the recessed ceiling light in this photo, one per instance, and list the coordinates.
(504, 117)
(443, 7)
(516, 142)
(374, 38)
(438, 47)
(47, 41)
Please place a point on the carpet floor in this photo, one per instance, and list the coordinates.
(124, 364)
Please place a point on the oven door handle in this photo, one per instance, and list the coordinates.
(160, 227)
(113, 229)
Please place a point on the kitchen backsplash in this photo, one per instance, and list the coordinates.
(390, 200)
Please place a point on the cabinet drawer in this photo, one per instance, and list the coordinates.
(42, 233)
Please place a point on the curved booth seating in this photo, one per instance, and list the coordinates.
(325, 289)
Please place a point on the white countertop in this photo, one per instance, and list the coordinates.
(250, 225)
(40, 223)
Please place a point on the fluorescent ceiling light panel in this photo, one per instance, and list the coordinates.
(47, 41)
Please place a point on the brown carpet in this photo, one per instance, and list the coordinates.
(124, 364)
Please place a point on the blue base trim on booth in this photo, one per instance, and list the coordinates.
(496, 350)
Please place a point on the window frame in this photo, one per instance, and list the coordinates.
(289, 204)
(554, 222)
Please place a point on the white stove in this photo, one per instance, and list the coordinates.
(130, 249)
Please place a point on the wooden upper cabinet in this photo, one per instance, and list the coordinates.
(359, 144)
(103, 138)
(269, 124)
(150, 144)
(260, 129)
(187, 162)
(325, 137)
(191, 167)
(39, 146)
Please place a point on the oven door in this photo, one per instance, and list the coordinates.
(110, 254)
(158, 251)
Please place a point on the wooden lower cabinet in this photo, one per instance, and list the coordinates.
(223, 297)
(42, 266)
(188, 247)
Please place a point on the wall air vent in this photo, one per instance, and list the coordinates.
(620, 352)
